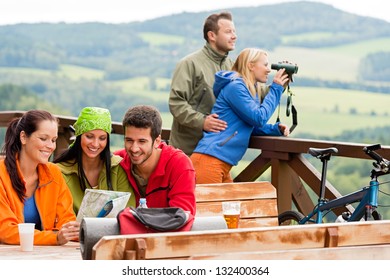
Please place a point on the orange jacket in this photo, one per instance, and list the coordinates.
(53, 200)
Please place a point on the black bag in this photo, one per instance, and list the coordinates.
(161, 219)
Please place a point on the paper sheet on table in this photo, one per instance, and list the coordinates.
(102, 203)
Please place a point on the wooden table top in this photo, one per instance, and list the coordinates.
(69, 251)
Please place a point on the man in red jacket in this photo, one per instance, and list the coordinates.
(158, 172)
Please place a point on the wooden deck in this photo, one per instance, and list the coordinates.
(266, 242)
(69, 251)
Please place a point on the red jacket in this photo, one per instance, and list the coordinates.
(53, 199)
(172, 183)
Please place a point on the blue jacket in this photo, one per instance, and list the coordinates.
(244, 114)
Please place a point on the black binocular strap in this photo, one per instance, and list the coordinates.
(294, 116)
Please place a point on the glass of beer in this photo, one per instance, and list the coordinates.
(231, 213)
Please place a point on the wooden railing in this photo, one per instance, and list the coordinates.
(285, 156)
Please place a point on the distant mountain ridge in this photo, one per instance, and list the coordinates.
(273, 21)
(112, 47)
(153, 47)
(118, 65)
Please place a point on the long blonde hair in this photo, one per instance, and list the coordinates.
(241, 66)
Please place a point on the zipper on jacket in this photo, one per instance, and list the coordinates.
(228, 139)
(56, 222)
(39, 212)
(201, 98)
(222, 60)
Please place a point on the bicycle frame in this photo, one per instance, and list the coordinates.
(368, 197)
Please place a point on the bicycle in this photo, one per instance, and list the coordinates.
(367, 196)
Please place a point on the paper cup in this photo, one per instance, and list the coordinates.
(26, 236)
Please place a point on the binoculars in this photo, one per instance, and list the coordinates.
(289, 68)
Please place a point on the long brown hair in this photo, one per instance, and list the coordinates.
(74, 154)
(12, 145)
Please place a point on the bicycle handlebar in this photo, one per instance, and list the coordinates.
(369, 150)
(381, 163)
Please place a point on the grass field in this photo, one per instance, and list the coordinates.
(158, 39)
(72, 72)
(362, 49)
(77, 72)
(26, 71)
(331, 63)
(328, 112)
(321, 111)
(140, 85)
(318, 64)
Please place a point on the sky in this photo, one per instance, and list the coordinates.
(122, 11)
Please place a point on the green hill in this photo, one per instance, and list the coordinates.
(341, 89)
(119, 65)
(153, 47)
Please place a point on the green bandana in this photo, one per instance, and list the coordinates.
(92, 118)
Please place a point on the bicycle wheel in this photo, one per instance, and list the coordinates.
(289, 218)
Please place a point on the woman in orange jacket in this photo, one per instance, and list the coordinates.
(32, 190)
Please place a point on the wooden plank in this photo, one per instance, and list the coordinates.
(253, 170)
(113, 250)
(378, 252)
(69, 251)
(249, 208)
(331, 237)
(300, 196)
(301, 146)
(186, 244)
(7, 116)
(234, 191)
(280, 175)
(258, 202)
(259, 222)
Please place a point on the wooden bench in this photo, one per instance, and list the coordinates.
(372, 252)
(184, 245)
(258, 202)
(258, 209)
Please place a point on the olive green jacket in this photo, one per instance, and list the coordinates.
(191, 97)
(118, 177)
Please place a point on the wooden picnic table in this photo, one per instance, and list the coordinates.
(69, 251)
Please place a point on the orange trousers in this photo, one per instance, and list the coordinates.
(210, 170)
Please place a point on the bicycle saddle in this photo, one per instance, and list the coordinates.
(317, 152)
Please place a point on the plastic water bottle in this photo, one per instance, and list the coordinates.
(142, 203)
(339, 219)
(343, 217)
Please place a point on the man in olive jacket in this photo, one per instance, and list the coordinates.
(191, 97)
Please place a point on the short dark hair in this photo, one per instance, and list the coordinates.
(211, 23)
(144, 116)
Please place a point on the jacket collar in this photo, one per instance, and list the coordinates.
(44, 174)
(214, 55)
(166, 154)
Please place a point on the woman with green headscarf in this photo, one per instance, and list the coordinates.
(88, 162)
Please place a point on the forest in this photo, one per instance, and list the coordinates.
(64, 67)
